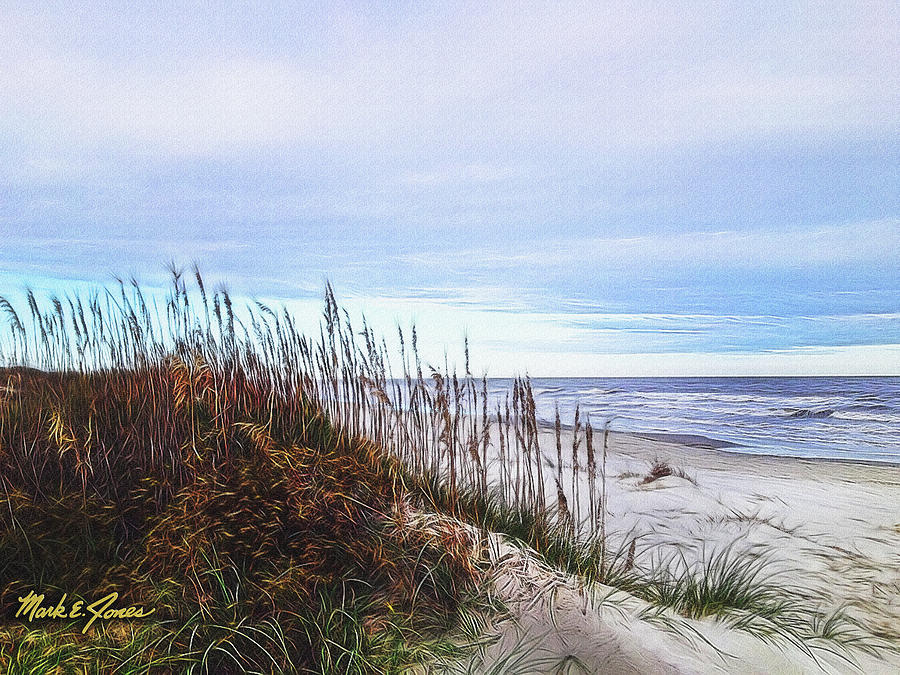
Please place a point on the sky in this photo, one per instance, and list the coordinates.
(630, 188)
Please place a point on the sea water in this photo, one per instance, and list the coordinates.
(855, 418)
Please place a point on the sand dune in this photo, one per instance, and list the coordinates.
(830, 530)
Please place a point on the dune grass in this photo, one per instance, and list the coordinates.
(265, 491)
(262, 547)
(661, 469)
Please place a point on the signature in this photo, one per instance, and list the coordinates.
(34, 607)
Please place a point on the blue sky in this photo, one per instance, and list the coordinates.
(645, 188)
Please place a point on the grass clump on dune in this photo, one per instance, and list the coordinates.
(662, 469)
(262, 547)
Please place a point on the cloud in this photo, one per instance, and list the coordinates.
(201, 109)
(578, 76)
(808, 361)
(634, 177)
(786, 246)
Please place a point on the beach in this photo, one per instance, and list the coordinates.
(828, 530)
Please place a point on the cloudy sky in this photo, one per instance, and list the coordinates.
(583, 189)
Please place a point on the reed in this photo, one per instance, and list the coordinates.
(154, 438)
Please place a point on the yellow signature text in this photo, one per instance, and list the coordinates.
(35, 607)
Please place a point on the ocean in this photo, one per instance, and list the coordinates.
(854, 418)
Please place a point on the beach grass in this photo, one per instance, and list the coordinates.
(290, 503)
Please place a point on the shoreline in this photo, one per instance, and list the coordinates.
(701, 442)
(706, 443)
(833, 418)
(637, 448)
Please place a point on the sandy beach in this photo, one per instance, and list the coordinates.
(830, 532)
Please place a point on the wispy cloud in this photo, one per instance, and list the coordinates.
(784, 245)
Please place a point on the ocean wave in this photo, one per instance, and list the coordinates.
(866, 417)
(806, 413)
(873, 407)
(869, 397)
(600, 392)
(541, 391)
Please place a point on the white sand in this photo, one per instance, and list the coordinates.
(831, 529)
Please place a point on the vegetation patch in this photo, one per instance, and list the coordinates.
(261, 546)
(661, 470)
